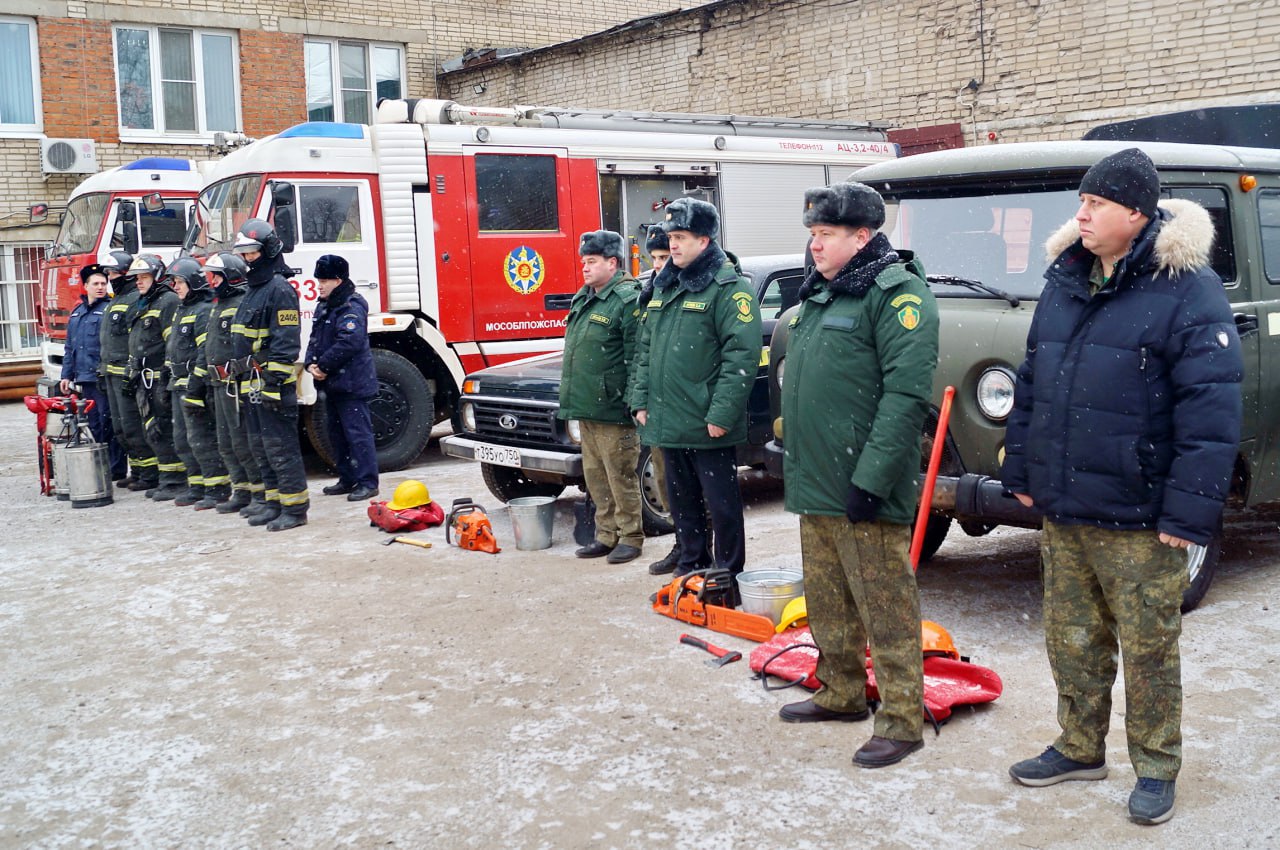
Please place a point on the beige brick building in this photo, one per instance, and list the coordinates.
(1043, 69)
(160, 77)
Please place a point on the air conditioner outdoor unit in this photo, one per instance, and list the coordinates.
(68, 156)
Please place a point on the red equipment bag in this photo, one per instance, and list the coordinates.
(792, 657)
(409, 519)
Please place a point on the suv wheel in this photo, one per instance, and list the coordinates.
(656, 520)
(507, 483)
(935, 532)
(1202, 564)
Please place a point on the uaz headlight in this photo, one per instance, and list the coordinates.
(995, 393)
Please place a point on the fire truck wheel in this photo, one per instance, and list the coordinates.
(507, 483)
(656, 520)
(403, 412)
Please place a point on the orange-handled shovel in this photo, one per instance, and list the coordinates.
(931, 477)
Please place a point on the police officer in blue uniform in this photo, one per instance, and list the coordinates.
(81, 362)
(341, 362)
(267, 342)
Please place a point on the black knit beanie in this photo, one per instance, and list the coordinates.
(1129, 178)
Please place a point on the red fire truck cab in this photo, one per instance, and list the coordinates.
(461, 224)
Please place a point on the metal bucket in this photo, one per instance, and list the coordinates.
(532, 518)
(767, 592)
(58, 465)
(88, 469)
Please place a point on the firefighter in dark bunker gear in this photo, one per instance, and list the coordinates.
(194, 433)
(81, 362)
(228, 274)
(149, 325)
(860, 363)
(341, 362)
(267, 342)
(114, 365)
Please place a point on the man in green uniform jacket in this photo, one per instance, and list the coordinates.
(599, 347)
(698, 354)
(860, 362)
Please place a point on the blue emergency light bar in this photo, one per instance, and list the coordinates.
(159, 163)
(324, 130)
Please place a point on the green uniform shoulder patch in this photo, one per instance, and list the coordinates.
(743, 300)
(909, 317)
(906, 298)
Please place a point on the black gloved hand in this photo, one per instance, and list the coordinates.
(859, 505)
(129, 385)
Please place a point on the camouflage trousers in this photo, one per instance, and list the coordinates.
(1107, 595)
(609, 456)
(858, 584)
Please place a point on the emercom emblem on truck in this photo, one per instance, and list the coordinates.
(979, 218)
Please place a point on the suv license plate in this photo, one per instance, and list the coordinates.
(501, 455)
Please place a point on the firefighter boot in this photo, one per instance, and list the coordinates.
(239, 499)
(213, 496)
(266, 515)
(286, 521)
(165, 492)
(258, 503)
(195, 492)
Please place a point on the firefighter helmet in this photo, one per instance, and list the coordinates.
(257, 235)
(147, 264)
(794, 615)
(116, 261)
(231, 267)
(935, 640)
(409, 494)
(190, 272)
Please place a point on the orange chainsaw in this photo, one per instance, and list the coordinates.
(703, 598)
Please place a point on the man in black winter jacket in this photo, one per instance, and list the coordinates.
(1126, 419)
(341, 362)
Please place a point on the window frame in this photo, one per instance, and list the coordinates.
(1268, 193)
(336, 88)
(35, 129)
(202, 135)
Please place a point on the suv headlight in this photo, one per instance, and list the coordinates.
(468, 416)
(574, 429)
(995, 393)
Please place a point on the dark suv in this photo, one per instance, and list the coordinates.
(507, 414)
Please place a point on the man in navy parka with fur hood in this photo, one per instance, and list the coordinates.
(1126, 420)
(341, 362)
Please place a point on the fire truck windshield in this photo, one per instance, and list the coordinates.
(222, 209)
(81, 224)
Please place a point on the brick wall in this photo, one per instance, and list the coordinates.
(273, 91)
(77, 79)
(1045, 69)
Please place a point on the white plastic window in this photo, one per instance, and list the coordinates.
(176, 82)
(346, 79)
(19, 75)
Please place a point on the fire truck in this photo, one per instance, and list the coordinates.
(461, 224)
(142, 207)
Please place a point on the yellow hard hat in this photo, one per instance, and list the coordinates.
(409, 494)
(795, 615)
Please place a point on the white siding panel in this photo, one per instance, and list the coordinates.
(761, 206)
(401, 152)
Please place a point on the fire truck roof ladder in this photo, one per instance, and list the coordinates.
(448, 112)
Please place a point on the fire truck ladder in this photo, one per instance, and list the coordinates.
(449, 112)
